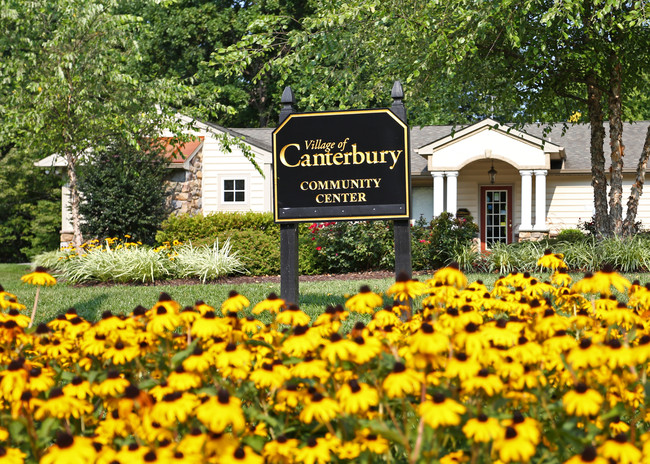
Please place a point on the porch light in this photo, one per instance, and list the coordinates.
(492, 173)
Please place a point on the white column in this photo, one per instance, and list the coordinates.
(438, 193)
(526, 199)
(540, 200)
(452, 192)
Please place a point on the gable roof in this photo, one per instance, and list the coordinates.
(576, 141)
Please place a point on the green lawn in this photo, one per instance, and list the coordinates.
(90, 301)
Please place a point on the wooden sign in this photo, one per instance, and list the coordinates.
(342, 165)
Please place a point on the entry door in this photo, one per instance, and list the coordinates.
(496, 215)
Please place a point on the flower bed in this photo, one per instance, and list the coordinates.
(527, 371)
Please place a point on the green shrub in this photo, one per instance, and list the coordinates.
(199, 227)
(439, 243)
(259, 251)
(570, 235)
(124, 192)
(354, 246)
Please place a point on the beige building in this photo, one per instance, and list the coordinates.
(516, 184)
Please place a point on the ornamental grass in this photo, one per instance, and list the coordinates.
(526, 371)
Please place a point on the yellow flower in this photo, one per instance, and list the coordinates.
(582, 401)
(588, 456)
(441, 411)
(234, 303)
(364, 302)
(620, 451)
(402, 382)
(514, 447)
(272, 303)
(319, 408)
(220, 411)
(241, 455)
(449, 275)
(356, 398)
(39, 277)
(317, 451)
(11, 456)
(70, 450)
(551, 261)
(483, 429)
(405, 288)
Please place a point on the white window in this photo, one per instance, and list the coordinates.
(234, 191)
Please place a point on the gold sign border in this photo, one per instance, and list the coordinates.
(344, 218)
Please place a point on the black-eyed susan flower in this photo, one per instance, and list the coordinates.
(11, 456)
(181, 380)
(551, 260)
(405, 288)
(270, 375)
(588, 456)
(514, 447)
(365, 301)
(483, 429)
(281, 450)
(40, 379)
(311, 368)
(356, 397)
(303, 340)
(40, 277)
(234, 303)
(440, 411)
(14, 380)
(402, 382)
(241, 455)
(174, 408)
(450, 276)
(372, 442)
(461, 366)
(315, 451)
(221, 411)
(272, 304)
(61, 406)
(620, 450)
(484, 381)
(70, 450)
(367, 348)
(121, 352)
(209, 325)
(319, 408)
(199, 361)
(163, 320)
(113, 386)
(582, 401)
(292, 315)
(456, 457)
(427, 341)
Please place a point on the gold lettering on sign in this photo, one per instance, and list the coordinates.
(327, 158)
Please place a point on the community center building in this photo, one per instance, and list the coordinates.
(516, 184)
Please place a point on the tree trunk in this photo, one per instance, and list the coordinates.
(77, 238)
(629, 225)
(598, 180)
(616, 143)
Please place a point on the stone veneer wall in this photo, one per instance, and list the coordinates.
(185, 193)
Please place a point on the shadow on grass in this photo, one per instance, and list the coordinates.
(90, 309)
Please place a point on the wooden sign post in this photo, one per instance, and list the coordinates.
(340, 165)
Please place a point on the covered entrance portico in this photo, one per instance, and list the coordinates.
(502, 204)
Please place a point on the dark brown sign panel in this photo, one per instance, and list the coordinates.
(343, 165)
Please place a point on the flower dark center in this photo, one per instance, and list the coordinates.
(64, 440)
(223, 396)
